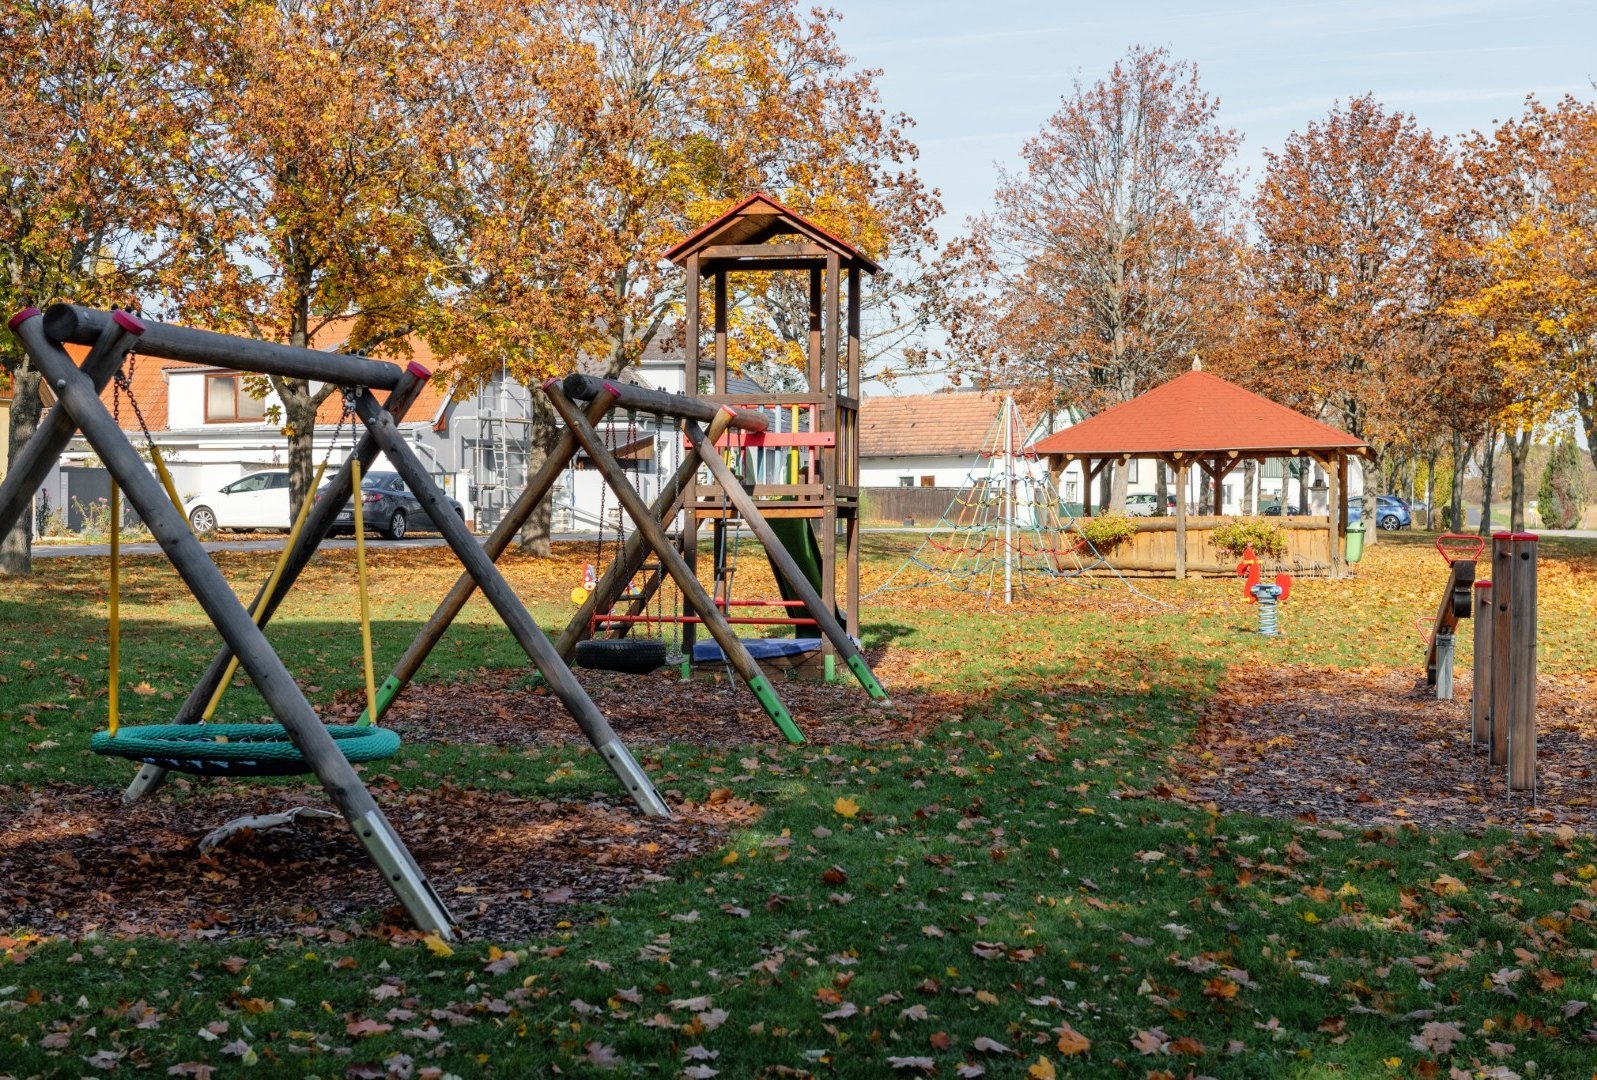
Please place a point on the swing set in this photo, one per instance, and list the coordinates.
(299, 742)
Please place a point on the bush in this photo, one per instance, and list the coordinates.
(1108, 531)
(1562, 498)
(1268, 539)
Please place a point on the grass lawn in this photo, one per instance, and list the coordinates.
(1027, 888)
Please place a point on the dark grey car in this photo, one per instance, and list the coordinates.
(388, 507)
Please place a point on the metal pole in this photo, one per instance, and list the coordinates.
(338, 777)
(1481, 675)
(1444, 666)
(427, 638)
(1009, 502)
(825, 617)
(1521, 650)
(323, 513)
(733, 649)
(499, 593)
(609, 587)
(82, 326)
(39, 455)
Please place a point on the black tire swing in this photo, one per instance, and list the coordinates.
(623, 655)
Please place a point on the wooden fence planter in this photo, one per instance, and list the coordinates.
(1155, 549)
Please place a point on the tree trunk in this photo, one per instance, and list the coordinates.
(542, 434)
(1586, 406)
(1106, 485)
(1488, 479)
(1248, 469)
(1372, 526)
(1304, 476)
(299, 425)
(1430, 485)
(16, 548)
(1117, 488)
(1518, 453)
(1461, 456)
(1161, 490)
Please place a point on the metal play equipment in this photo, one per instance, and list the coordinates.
(111, 335)
(1268, 595)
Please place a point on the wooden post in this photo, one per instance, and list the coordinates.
(852, 389)
(736, 653)
(1521, 652)
(720, 331)
(1181, 519)
(498, 592)
(1502, 603)
(814, 354)
(81, 401)
(689, 530)
(1337, 508)
(824, 613)
(1481, 676)
(1086, 487)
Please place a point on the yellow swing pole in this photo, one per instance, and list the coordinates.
(365, 604)
(114, 663)
(259, 609)
(166, 481)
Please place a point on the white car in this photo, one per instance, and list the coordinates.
(256, 501)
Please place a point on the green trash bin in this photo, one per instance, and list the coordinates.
(1355, 542)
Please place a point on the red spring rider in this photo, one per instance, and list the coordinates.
(1251, 571)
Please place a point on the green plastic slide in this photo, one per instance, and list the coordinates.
(799, 540)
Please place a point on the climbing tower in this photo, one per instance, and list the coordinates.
(804, 472)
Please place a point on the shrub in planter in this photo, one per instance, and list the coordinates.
(1268, 539)
(1107, 531)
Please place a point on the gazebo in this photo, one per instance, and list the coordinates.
(1199, 419)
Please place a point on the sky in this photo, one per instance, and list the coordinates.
(980, 78)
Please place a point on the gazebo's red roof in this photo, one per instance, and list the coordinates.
(1197, 412)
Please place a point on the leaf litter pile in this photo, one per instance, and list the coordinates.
(1374, 746)
(501, 708)
(76, 860)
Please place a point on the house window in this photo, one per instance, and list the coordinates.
(928, 481)
(1225, 494)
(1071, 491)
(1131, 471)
(906, 481)
(228, 402)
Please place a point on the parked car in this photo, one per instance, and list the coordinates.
(1146, 504)
(256, 501)
(387, 506)
(1390, 513)
(1272, 509)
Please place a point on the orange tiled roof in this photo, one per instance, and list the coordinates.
(1196, 412)
(951, 422)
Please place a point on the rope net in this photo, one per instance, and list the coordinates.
(1006, 530)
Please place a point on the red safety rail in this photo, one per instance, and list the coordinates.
(1455, 546)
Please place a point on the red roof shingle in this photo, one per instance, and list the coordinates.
(951, 422)
(1196, 412)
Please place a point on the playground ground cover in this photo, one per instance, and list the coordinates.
(1043, 864)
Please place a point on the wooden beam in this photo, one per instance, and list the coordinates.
(762, 251)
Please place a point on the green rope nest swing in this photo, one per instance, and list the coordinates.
(236, 749)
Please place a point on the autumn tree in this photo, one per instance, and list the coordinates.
(641, 121)
(1109, 259)
(309, 190)
(1350, 217)
(1533, 297)
(89, 133)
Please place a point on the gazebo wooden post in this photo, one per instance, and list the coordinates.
(1181, 519)
(1086, 487)
(1337, 509)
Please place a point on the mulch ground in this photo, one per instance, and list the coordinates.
(74, 860)
(498, 708)
(1375, 747)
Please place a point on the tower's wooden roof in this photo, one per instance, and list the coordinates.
(757, 220)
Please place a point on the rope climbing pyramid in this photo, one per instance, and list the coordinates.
(1006, 531)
